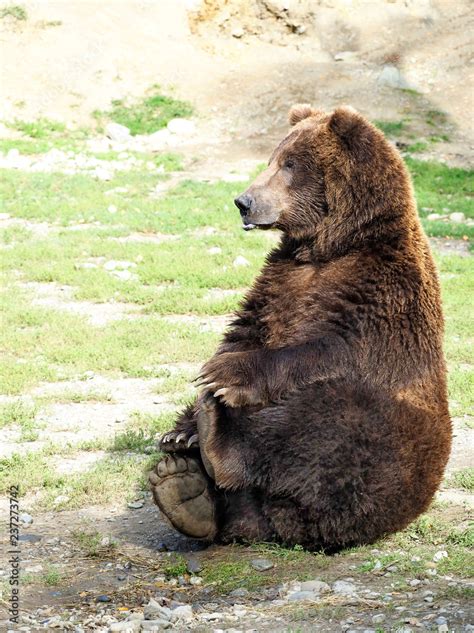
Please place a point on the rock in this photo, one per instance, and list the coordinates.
(443, 628)
(378, 618)
(117, 132)
(302, 595)
(317, 586)
(208, 617)
(415, 582)
(195, 580)
(238, 33)
(181, 127)
(34, 569)
(158, 140)
(261, 564)
(136, 505)
(345, 56)
(240, 261)
(193, 566)
(154, 611)
(433, 217)
(5, 216)
(214, 250)
(391, 77)
(112, 208)
(124, 275)
(457, 217)
(26, 518)
(103, 598)
(183, 613)
(60, 499)
(441, 620)
(342, 587)
(155, 625)
(102, 174)
(85, 266)
(239, 593)
(127, 625)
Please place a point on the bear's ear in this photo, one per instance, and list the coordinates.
(300, 111)
(353, 130)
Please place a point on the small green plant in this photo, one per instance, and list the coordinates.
(146, 116)
(391, 128)
(52, 577)
(16, 11)
(18, 412)
(462, 479)
(40, 128)
(176, 568)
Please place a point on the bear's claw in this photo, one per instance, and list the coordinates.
(176, 441)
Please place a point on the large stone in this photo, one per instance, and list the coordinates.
(117, 132)
(344, 588)
(317, 586)
(392, 77)
(261, 564)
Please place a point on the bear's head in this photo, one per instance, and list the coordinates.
(334, 179)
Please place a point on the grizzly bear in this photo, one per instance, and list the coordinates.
(322, 418)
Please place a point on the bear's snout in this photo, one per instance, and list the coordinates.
(244, 203)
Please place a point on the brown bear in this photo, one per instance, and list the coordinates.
(323, 417)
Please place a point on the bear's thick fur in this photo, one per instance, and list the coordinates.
(327, 423)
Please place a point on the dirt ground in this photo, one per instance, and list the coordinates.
(241, 64)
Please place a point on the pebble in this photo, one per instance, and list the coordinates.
(378, 618)
(193, 566)
(345, 56)
(302, 595)
(135, 505)
(214, 250)
(415, 582)
(440, 555)
(103, 598)
(434, 216)
(443, 628)
(238, 33)
(207, 617)
(183, 613)
(342, 587)
(239, 593)
(26, 518)
(153, 611)
(457, 217)
(261, 564)
(240, 261)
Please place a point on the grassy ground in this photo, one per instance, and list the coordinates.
(73, 232)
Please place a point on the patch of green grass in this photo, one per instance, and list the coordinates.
(436, 118)
(13, 469)
(417, 148)
(391, 128)
(52, 577)
(90, 542)
(438, 186)
(16, 11)
(226, 576)
(22, 414)
(147, 115)
(462, 479)
(75, 397)
(13, 234)
(176, 567)
(39, 128)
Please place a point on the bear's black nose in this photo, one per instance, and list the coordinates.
(243, 203)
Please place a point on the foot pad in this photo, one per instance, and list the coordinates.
(182, 491)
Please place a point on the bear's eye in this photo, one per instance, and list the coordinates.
(289, 163)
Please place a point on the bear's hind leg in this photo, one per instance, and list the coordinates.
(183, 492)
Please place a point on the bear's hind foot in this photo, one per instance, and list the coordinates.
(182, 492)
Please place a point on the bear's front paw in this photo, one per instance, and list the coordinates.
(228, 377)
